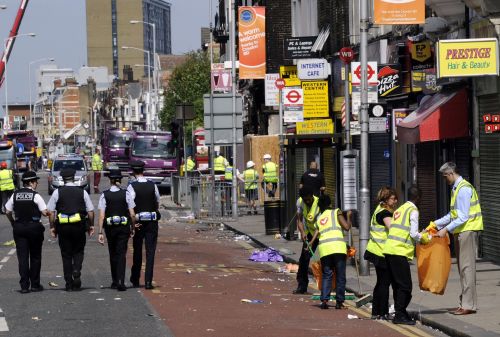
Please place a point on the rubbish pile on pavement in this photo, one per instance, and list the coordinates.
(268, 255)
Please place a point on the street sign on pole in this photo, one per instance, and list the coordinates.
(280, 83)
(346, 54)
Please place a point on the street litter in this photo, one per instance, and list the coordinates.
(241, 238)
(285, 251)
(289, 268)
(99, 299)
(35, 318)
(117, 299)
(94, 292)
(244, 300)
(53, 284)
(263, 279)
(177, 288)
(268, 255)
(9, 243)
(349, 316)
(188, 271)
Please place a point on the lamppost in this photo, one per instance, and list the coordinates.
(154, 116)
(3, 7)
(32, 117)
(5, 41)
(155, 68)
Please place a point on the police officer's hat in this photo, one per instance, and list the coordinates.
(137, 164)
(29, 176)
(115, 174)
(68, 172)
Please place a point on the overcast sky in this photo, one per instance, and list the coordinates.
(61, 34)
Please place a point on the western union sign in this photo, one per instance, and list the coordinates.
(464, 58)
(315, 127)
(289, 74)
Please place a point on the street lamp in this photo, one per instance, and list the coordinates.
(3, 7)
(6, 43)
(149, 62)
(32, 117)
(155, 75)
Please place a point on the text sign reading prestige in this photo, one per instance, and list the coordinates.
(463, 58)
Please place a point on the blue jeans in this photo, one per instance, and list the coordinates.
(329, 263)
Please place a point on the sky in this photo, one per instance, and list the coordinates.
(60, 29)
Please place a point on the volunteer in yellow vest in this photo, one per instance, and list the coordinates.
(465, 221)
(251, 178)
(307, 212)
(399, 250)
(379, 227)
(220, 163)
(6, 184)
(270, 171)
(190, 165)
(97, 168)
(228, 180)
(332, 250)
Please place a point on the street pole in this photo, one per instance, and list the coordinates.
(184, 151)
(212, 132)
(282, 156)
(233, 74)
(364, 190)
(347, 104)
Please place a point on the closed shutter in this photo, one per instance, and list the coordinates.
(426, 181)
(300, 166)
(380, 165)
(462, 157)
(330, 172)
(489, 159)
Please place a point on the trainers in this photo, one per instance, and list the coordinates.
(37, 288)
(340, 305)
(324, 305)
(255, 212)
(24, 291)
(121, 287)
(403, 320)
(77, 282)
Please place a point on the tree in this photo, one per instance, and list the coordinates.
(189, 82)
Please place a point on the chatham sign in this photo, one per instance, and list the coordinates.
(313, 69)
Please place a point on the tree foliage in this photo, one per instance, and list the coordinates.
(189, 82)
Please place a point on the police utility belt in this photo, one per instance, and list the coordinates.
(69, 218)
(116, 220)
(146, 216)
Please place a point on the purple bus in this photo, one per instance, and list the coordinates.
(161, 161)
(116, 148)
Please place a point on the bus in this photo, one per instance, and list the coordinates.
(116, 142)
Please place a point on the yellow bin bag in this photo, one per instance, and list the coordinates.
(434, 264)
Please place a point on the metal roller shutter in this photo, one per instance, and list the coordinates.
(462, 157)
(330, 172)
(380, 166)
(489, 147)
(426, 181)
(300, 165)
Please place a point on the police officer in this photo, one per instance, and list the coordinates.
(146, 197)
(28, 207)
(116, 215)
(72, 214)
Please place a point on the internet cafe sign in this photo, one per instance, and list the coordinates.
(468, 57)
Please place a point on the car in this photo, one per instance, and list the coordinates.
(76, 162)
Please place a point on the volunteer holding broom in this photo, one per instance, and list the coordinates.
(379, 227)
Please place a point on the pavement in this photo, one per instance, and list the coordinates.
(430, 309)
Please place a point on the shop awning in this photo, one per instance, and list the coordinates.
(442, 116)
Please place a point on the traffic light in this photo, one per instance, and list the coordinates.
(174, 142)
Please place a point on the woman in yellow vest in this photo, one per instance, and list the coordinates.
(399, 249)
(379, 227)
(6, 184)
(332, 250)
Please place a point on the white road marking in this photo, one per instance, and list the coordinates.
(12, 251)
(3, 324)
(5, 259)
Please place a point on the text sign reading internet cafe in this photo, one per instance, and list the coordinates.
(464, 58)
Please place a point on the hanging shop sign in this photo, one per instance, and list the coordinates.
(289, 74)
(468, 57)
(377, 114)
(421, 55)
(299, 47)
(252, 42)
(399, 12)
(293, 105)
(315, 99)
(313, 69)
(221, 78)
(397, 117)
(315, 127)
(271, 92)
(390, 81)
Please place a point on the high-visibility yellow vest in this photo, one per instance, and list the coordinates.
(331, 237)
(270, 172)
(228, 173)
(250, 176)
(219, 163)
(399, 241)
(6, 181)
(475, 222)
(190, 165)
(309, 214)
(378, 234)
(96, 162)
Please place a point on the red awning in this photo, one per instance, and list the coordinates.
(442, 116)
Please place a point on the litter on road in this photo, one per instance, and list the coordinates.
(268, 255)
(244, 300)
(53, 284)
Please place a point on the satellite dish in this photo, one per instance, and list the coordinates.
(435, 25)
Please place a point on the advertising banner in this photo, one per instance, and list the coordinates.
(467, 57)
(315, 127)
(315, 99)
(399, 12)
(221, 78)
(390, 81)
(252, 42)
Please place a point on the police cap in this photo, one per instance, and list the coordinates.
(29, 176)
(68, 172)
(137, 164)
(115, 174)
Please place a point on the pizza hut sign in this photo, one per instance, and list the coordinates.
(390, 81)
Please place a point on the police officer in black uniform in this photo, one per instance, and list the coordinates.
(72, 214)
(116, 215)
(147, 200)
(28, 207)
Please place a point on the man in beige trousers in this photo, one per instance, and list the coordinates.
(465, 221)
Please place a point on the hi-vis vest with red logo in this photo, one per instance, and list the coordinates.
(331, 237)
(399, 241)
(309, 214)
(378, 234)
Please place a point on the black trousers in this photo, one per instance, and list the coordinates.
(147, 233)
(72, 244)
(399, 269)
(117, 237)
(29, 239)
(5, 197)
(380, 304)
(305, 257)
